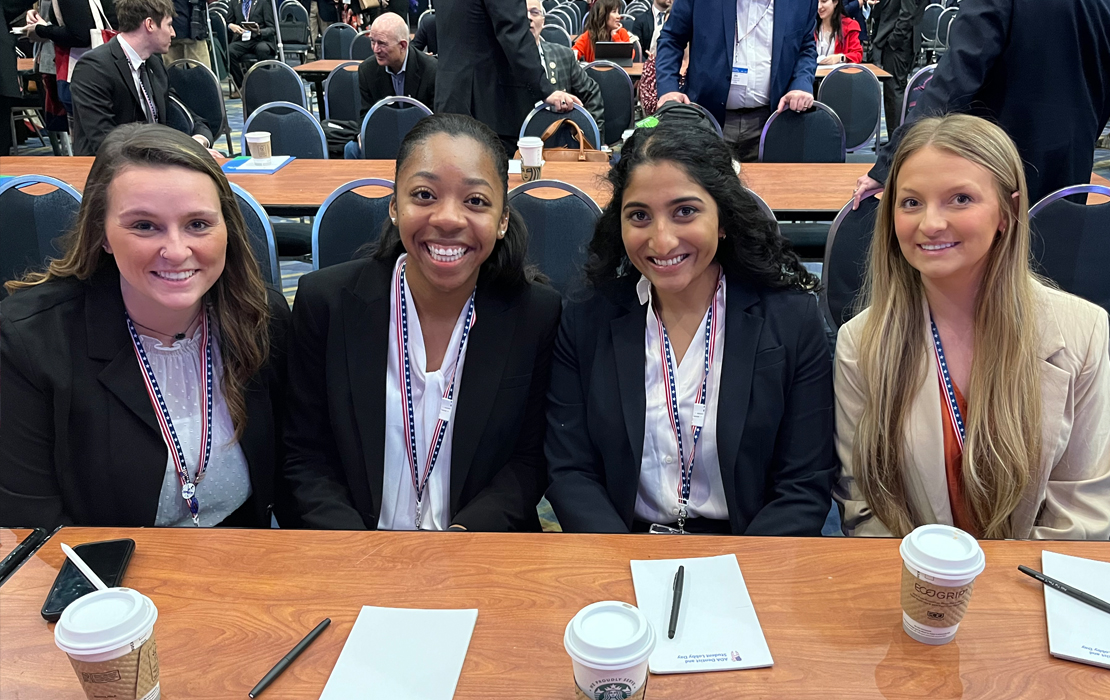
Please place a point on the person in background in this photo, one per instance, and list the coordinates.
(425, 38)
(692, 384)
(419, 374)
(124, 81)
(107, 357)
(836, 36)
(969, 392)
(71, 37)
(244, 42)
(894, 46)
(190, 28)
(564, 72)
(602, 24)
(321, 15)
(395, 69)
(10, 88)
(731, 72)
(860, 11)
(646, 26)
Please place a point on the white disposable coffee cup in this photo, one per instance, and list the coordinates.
(109, 637)
(940, 564)
(531, 150)
(609, 644)
(259, 144)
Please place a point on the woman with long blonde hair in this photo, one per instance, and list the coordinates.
(143, 370)
(969, 392)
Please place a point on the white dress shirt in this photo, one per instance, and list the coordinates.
(659, 15)
(826, 42)
(660, 471)
(226, 484)
(398, 494)
(755, 25)
(133, 62)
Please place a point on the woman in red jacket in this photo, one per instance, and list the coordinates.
(837, 36)
(602, 24)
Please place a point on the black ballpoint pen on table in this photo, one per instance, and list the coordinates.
(1064, 588)
(280, 666)
(676, 600)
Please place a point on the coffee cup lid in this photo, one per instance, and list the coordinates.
(944, 551)
(258, 136)
(609, 634)
(530, 142)
(103, 621)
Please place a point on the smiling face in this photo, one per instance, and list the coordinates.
(669, 226)
(614, 20)
(449, 207)
(167, 233)
(825, 8)
(947, 215)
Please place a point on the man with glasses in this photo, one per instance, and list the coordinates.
(563, 72)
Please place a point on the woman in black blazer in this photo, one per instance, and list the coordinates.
(447, 295)
(157, 285)
(685, 275)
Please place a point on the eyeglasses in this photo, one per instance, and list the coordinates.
(535, 12)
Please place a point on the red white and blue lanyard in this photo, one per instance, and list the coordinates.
(670, 388)
(420, 481)
(188, 486)
(949, 389)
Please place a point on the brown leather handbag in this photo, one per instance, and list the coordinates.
(585, 153)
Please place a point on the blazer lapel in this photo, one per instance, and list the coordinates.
(124, 69)
(412, 73)
(486, 357)
(628, 351)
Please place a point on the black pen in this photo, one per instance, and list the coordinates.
(1066, 589)
(676, 601)
(280, 666)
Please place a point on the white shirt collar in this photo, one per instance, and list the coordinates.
(403, 65)
(133, 58)
(643, 290)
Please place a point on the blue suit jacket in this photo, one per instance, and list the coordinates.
(793, 53)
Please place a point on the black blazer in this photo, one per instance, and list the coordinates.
(335, 422)
(79, 439)
(1040, 69)
(489, 63)
(375, 84)
(104, 96)
(774, 416)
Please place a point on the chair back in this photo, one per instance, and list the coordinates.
(1071, 242)
(549, 5)
(261, 231)
(854, 93)
(541, 117)
(33, 223)
(293, 20)
(618, 96)
(348, 220)
(361, 47)
(813, 136)
(386, 125)
(336, 41)
(565, 18)
(293, 130)
(914, 88)
(178, 117)
(556, 34)
(199, 88)
(944, 24)
(271, 81)
(927, 25)
(219, 42)
(845, 266)
(342, 99)
(558, 229)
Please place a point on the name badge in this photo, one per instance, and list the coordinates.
(247, 35)
(699, 415)
(739, 75)
(445, 406)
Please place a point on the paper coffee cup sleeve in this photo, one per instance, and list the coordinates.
(931, 604)
(132, 676)
(611, 692)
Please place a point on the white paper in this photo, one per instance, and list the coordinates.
(717, 626)
(1077, 631)
(402, 654)
(263, 164)
(514, 167)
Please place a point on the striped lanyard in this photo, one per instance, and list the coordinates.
(446, 404)
(949, 389)
(670, 387)
(188, 487)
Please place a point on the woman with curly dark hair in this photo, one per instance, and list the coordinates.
(670, 408)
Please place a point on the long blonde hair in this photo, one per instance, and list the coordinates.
(1003, 425)
(238, 299)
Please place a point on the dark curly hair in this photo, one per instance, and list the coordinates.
(752, 249)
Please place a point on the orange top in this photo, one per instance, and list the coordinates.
(585, 47)
(953, 461)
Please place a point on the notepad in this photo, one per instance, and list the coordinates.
(402, 654)
(717, 626)
(245, 164)
(1076, 631)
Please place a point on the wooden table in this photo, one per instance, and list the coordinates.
(316, 72)
(881, 74)
(233, 602)
(25, 65)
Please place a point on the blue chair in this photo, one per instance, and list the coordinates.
(542, 117)
(347, 221)
(336, 42)
(342, 99)
(914, 88)
(178, 117)
(1071, 241)
(271, 81)
(556, 34)
(199, 88)
(854, 93)
(293, 130)
(263, 243)
(813, 136)
(293, 22)
(33, 223)
(361, 47)
(387, 123)
(618, 96)
(558, 229)
(846, 250)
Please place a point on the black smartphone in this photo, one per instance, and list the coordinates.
(108, 559)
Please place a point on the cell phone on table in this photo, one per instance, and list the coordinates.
(109, 559)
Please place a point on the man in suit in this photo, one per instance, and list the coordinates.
(750, 57)
(395, 69)
(490, 67)
(124, 80)
(1053, 104)
(647, 25)
(190, 38)
(893, 47)
(563, 70)
(256, 42)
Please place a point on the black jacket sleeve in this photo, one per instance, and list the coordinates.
(510, 24)
(93, 103)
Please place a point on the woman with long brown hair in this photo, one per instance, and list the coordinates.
(602, 24)
(969, 392)
(142, 371)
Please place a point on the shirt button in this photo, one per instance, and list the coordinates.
(674, 511)
(668, 459)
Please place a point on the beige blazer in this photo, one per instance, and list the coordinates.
(1070, 498)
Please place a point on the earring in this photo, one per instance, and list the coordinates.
(393, 219)
(501, 233)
